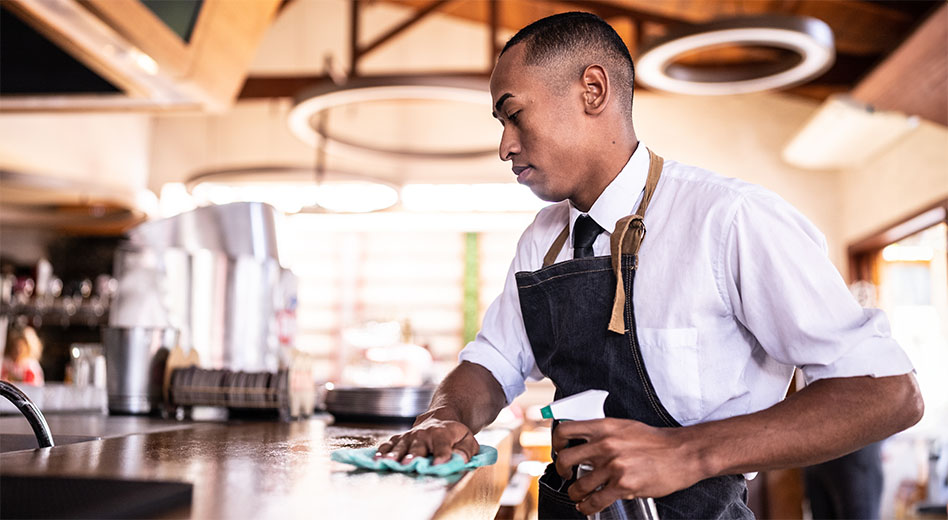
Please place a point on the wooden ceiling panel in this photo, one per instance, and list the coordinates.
(140, 25)
(131, 47)
(866, 32)
(698, 11)
(515, 13)
(914, 79)
(860, 27)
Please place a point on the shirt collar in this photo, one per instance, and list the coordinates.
(620, 196)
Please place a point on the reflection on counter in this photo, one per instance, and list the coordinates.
(254, 469)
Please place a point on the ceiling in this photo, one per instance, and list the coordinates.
(97, 56)
(203, 48)
(136, 55)
(865, 31)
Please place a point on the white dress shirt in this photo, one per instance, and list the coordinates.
(733, 290)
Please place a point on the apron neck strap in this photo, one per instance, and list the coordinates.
(655, 164)
(654, 172)
(557, 246)
(627, 239)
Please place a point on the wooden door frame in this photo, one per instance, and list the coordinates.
(862, 253)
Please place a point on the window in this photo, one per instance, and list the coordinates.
(425, 271)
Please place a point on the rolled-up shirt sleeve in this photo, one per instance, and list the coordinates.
(786, 292)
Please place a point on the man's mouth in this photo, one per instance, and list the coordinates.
(520, 169)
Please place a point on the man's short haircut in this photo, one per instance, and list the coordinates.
(567, 43)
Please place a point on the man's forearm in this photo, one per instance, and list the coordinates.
(825, 420)
(470, 395)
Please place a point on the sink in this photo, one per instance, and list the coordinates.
(27, 441)
(67, 497)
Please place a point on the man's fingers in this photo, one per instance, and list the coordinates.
(438, 438)
(597, 501)
(582, 454)
(386, 446)
(587, 430)
(587, 484)
(441, 449)
(398, 450)
(467, 447)
(417, 448)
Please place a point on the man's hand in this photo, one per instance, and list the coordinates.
(467, 400)
(630, 459)
(825, 420)
(431, 436)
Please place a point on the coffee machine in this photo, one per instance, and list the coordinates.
(211, 279)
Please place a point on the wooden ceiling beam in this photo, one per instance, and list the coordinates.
(914, 78)
(83, 35)
(493, 26)
(512, 14)
(419, 15)
(627, 29)
(261, 87)
(129, 46)
(277, 86)
(608, 9)
(859, 27)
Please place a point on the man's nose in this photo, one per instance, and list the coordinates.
(509, 144)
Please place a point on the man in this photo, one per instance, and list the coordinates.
(694, 330)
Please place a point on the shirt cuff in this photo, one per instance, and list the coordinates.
(505, 374)
(876, 356)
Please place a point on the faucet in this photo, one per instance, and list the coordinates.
(33, 415)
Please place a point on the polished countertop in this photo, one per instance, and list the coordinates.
(260, 469)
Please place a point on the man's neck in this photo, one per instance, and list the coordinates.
(603, 174)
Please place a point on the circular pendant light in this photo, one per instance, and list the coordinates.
(303, 118)
(292, 189)
(808, 40)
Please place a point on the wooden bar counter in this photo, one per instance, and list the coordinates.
(260, 469)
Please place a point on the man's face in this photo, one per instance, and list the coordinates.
(542, 126)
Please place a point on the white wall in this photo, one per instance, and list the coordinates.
(910, 175)
(107, 150)
(742, 136)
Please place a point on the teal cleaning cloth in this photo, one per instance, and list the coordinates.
(365, 458)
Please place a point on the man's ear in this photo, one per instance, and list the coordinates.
(596, 89)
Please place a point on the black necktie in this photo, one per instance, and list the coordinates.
(585, 231)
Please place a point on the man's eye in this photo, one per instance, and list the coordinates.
(513, 117)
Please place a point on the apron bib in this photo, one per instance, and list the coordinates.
(580, 321)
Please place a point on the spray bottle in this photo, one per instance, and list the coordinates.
(586, 406)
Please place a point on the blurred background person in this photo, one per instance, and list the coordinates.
(21, 357)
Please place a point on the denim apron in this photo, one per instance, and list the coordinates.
(580, 321)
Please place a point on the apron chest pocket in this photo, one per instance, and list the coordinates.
(671, 358)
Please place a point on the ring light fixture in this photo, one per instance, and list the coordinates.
(809, 40)
(303, 117)
(292, 189)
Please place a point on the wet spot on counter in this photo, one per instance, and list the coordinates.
(353, 441)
